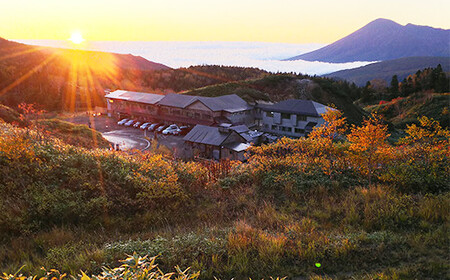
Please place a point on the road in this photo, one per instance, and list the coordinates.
(127, 137)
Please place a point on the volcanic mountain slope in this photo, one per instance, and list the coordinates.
(402, 67)
(384, 39)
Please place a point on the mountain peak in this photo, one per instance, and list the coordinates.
(383, 39)
(382, 21)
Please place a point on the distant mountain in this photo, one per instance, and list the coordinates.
(65, 79)
(384, 70)
(120, 61)
(384, 39)
(10, 49)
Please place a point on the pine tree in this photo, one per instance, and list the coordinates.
(394, 85)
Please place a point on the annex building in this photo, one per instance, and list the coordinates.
(292, 118)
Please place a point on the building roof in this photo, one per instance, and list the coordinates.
(237, 147)
(141, 97)
(297, 106)
(229, 103)
(240, 128)
(208, 135)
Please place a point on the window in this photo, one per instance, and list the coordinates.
(269, 114)
(285, 116)
(285, 128)
(299, 130)
(206, 117)
(176, 112)
(197, 115)
(274, 127)
(301, 118)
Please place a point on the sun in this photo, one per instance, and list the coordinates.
(76, 38)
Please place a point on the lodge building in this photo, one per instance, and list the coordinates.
(291, 118)
(179, 108)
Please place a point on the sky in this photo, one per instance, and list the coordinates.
(287, 21)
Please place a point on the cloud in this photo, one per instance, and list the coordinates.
(267, 56)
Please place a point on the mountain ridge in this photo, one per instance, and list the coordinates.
(383, 39)
(402, 67)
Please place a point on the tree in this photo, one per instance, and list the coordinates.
(421, 161)
(368, 147)
(367, 92)
(394, 85)
(325, 135)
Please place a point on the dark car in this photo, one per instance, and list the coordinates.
(184, 130)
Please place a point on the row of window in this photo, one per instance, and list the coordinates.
(123, 105)
(187, 114)
(287, 129)
(287, 116)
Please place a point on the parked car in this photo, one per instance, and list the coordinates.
(129, 123)
(122, 122)
(145, 125)
(153, 126)
(183, 130)
(137, 124)
(171, 129)
(161, 128)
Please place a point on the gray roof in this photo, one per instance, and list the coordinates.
(240, 128)
(177, 100)
(208, 135)
(229, 103)
(141, 97)
(297, 106)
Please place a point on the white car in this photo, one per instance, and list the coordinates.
(137, 124)
(171, 129)
(122, 122)
(145, 125)
(129, 123)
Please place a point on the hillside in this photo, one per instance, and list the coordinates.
(72, 80)
(296, 208)
(402, 67)
(62, 78)
(402, 111)
(383, 39)
(275, 88)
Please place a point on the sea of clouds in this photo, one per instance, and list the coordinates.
(267, 56)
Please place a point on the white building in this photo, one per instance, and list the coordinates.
(293, 117)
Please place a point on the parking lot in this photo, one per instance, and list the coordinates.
(127, 137)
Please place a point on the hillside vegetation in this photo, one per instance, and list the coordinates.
(278, 87)
(73, 134)
(402, 111)
(358, 207)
